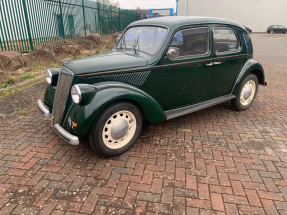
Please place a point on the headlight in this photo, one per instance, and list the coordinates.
(76, 94)
(48, 76)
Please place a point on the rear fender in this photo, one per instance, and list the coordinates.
(250, 67)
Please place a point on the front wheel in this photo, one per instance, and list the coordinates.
(116, 129)
(247, 93)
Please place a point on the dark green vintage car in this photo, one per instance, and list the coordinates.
(159, 69)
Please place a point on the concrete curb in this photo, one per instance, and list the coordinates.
(27, 82)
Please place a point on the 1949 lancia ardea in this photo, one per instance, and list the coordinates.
(159, 69)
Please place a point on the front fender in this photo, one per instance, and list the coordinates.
(251, 66)
(106, 93)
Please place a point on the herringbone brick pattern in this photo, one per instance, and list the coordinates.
(216, 161)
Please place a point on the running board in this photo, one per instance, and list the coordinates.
(193, 108)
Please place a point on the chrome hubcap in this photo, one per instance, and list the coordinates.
(248, 92)
(119, 129)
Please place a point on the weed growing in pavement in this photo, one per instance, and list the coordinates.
(10, 81)
(27, 76)
(24, 112)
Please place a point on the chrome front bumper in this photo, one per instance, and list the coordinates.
(73, 140)
(44, 110)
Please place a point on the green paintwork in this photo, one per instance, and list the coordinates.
(188, 84)
(102, 63)
(226, 73)
(105, 94)
(49, 96)
(251, 66)
(156, 83)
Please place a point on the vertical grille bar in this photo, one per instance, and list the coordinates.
(62, 92)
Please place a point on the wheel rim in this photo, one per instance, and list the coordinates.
(119, 129)
(247, 92)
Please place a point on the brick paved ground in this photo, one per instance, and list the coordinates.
(215, 161)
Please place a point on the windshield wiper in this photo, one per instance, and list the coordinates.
(137, 43)
(123, 42)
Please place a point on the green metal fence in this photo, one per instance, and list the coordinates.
(25, 24)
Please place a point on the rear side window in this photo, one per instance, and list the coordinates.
(225, 40)
(191, 42)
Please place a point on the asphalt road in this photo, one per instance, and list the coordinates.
(271, 48)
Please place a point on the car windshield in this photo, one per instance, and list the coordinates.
(143, 38)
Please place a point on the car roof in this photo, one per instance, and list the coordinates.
(177, 21)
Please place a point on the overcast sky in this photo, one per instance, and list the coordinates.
(147, 4)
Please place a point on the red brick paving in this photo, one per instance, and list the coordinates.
(215, 161)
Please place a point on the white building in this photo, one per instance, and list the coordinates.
(255, 14)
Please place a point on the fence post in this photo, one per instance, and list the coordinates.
(111, 10)
(28, 24)
(1, 43)
(84, 15)
(2, 35)
(126, 18)
(62, 19)
(119, 29)
(99, 16)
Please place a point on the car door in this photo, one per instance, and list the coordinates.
(187, 69)
(282, 29)
(228, 61)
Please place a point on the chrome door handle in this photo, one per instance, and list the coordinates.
(209, 64)
(217, 63)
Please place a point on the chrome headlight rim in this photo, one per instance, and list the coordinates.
(48, 76)
(76, 94)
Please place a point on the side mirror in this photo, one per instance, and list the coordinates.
(171, 53)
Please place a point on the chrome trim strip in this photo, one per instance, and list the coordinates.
(73, 140)
(44, 110)
(111, 72)
(193, 108)
(206, 60)
(67, 71)
(140, 69)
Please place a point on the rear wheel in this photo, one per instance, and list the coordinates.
(116, 129)
(247, 93)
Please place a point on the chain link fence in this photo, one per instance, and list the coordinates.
(25, 24)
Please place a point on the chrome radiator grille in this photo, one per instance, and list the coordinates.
(62, 92)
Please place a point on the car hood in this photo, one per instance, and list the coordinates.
(106, 62)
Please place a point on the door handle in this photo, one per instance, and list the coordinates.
(209, 64)
(217, 63)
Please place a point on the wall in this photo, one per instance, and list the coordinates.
(255, 14)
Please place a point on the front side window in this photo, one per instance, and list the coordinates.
(225, 40)
(143, 38)
(190, 42)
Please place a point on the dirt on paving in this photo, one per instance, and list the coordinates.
(23, 103)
